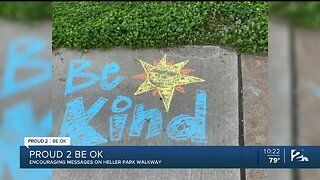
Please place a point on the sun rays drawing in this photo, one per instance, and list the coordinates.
(164, 78)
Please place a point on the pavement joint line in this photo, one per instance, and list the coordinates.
(294, 97)
(240, 109)
(240, 102)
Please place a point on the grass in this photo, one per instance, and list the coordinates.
(84, 25)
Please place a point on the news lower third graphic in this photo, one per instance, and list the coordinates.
(57, 152)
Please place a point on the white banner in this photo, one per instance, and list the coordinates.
(47, 141)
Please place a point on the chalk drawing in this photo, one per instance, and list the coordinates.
(184, 126)
(117, 124)
(26, 59)
(152, 117)
(75, 123)
(111, 68)
(164, 78)
(119, 99)
(73, 72)
(19, 122)
(78, 72)
(255, 91)
(18, 119)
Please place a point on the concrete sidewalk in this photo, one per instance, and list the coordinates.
(223, 112)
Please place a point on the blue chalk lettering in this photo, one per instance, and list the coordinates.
(78, 72)
(24, 60)
(184, 126)
(119, 99)
(254, 90)
(111, 68)
(75, 123)
(117, 124)
(19, 122)
(152, 116)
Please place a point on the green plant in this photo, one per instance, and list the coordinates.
(86, 25)
(304, 14)
(26, 11)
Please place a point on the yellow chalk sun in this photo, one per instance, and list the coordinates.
(163, 78)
